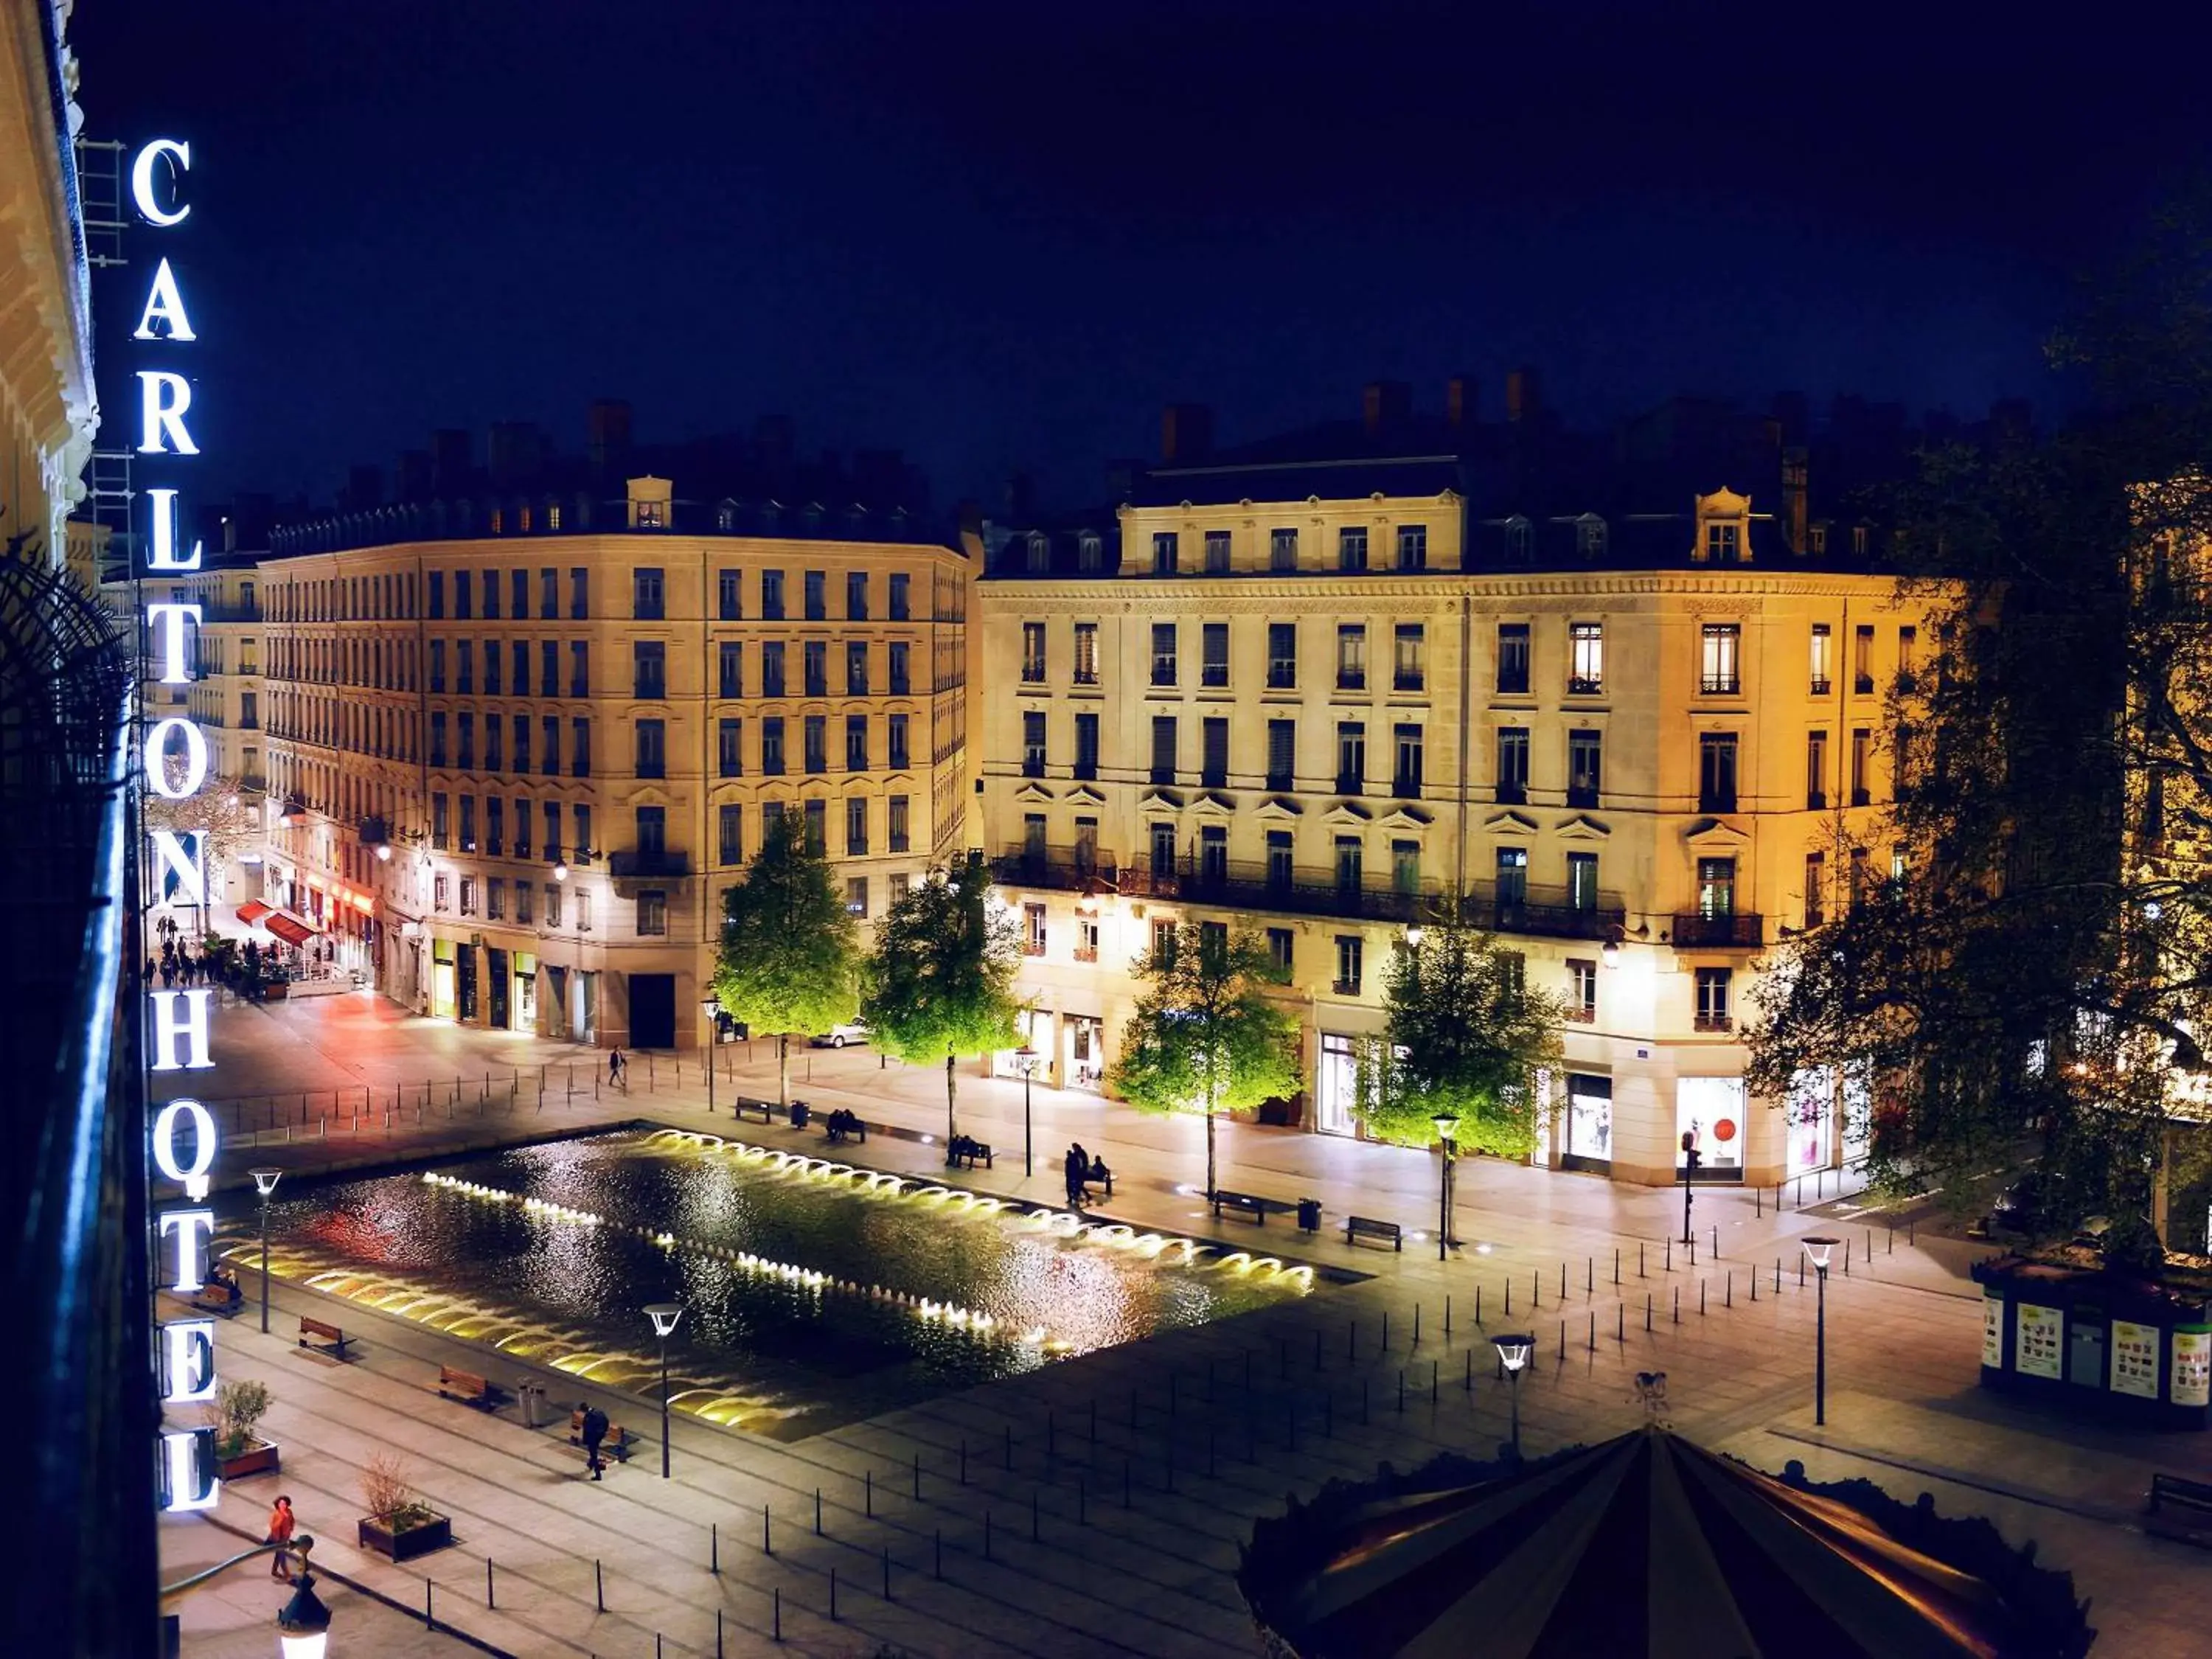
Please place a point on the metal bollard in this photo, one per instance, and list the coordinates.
(986, 1535)
(1401, 1390)
(1446, 1317)
(817, 1511)
(937, 1554)
(887, 1572)
(775, 1614)
(766, 1546)
(599, 1585)
(868, 1494)
(1678, 1304)
(833, 1595)
(1647, 1313)
(429, 1619)
(714, 1548)
(1468, 1385)
(1701, 1298)
(1417, 1324)
(1036, 1519)
(917, 1477)
(488, 1602)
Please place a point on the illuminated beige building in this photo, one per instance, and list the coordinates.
(1315, 698)
(519, 760)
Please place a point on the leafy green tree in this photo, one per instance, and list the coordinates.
(790, 956)
(1464, 1038)
(1206, 1036)
(939, 982)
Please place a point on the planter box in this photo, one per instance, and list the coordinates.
(435, 1535)
(259, 1458)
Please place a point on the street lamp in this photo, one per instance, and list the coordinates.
(560, 869)
(1413, 937)
(1026, 1058)
(1447, 1125)
(264, 1183)
(1691, 1157)
(664, 1315)
(1817, 1249)
(304, 1626)
(712, 1008)
(1513, 1352)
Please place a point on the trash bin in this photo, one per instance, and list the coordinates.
(800, 1111)
(1310, 1215)
(532, 1398)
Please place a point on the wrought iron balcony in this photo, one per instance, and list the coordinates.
(635, 865)
(1741, 930)
(1254, 887)
(1547, 913)
(1063, 869)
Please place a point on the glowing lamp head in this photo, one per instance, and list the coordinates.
(304, 1626)
(1513, 1352)
(1413, 936)
(664, 1315)
(1026, 1058)
(1610, 953)
(265, 1181)
(560, 870)
(710, 1006)
(384, 852)
(1818, 1250)
(1447, 1125)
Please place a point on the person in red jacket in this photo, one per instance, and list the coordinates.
(283, 1523)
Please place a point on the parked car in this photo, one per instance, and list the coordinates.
(853, 1030)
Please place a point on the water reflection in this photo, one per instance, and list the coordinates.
(816, 1293)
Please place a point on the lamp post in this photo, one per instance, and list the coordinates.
(1691, 1159)
(1026, 1058)
(664, 1315)
(712, 1008)
(304, 1626)
(264, 1183)
(1513, 1353)
(1817, 1249)
(1447, 1125)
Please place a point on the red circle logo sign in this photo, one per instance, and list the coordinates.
(1725, 1129)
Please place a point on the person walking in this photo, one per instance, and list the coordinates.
(616, 1068)
(283, 1523)
(1075, 1166)
(595, 1434)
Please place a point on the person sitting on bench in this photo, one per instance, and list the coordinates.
(1098, 1174)
(222, 1286)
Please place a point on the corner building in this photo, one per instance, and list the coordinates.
(1315, 698)
(513, 768)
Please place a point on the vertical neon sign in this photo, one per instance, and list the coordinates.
(176, 769)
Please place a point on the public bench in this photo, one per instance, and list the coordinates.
(323, 1339)
(224, 1299)
(2180, 1508)
(615, 1445)
(1105, 1180)
(964, 1152)
(468, 1388)
(842, 1125)
(765, 1108)
(1243, 1203)
(1357, 1227)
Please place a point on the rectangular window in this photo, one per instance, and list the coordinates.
(522, 822)
(730, 838)
(1413, 547)
(730, 604)
(1819, 663)
(816, 740)
(649, 671)
(1512, 869)
(896, 757)
(1512, 763)
(461, 607)
(491, 668)
(652, 830)
(730, 748)
(772, 668)
(1164, 553)
(652, 749)
(1033, 743)
(1282, 656)
(1816, 888)
(579, 668)
(1582, 990)
(899, 656)
(468, 896)
(1214, 855)
(1086, 745)
(524, 907)
(856, 826)
(1717, 771)
(817, 599)
(1213, 655)
(1585, 766)
(441, 891)
(1723, 542)
(1513, 658)
(814, 656)
(522, 743)
(730, 663)
(1086, 846)
(1816, 771)
(1908, 642)
(856, 668)
(580, 594)
(1217, 552)
(1581, 881)
(1351, 756)
(895, 833)
(1352, 656)
(1862, 766)
(436, 596)
(1408, 669)
(1280, 943)
(491, 596)
(1164, 654)
(549, 595)
(1406, 867)
(552, 905)
(1716, 887)
(651, 912)
(440, 823)
(1406, 770)
(856, 896)
(1862, 662)
(1718, 669)
(1352, 547)
(519, 657)
(1348, 952)
(817, 820)
(550, 759)
(466, 760)
(1162, 849)
(437, 664)
(437, 737)
(1282, 754)
(1713, 1000)
(856, 742)
(552, 848)
(464, 659)
(1585, 660)
(1086, 653)
(771, 595)
(1164, 748)
(1214, 736)
(1033, 654)
(1351, 858)
(1282, 550)
(856, 596)
(901, 605)
(1280, 872)
(646, 597)
(495, 827)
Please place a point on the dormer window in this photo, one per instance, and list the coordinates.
(1088, 552)
(1817, 538)
(649, 515)
(650, 499)
(1590, 536)
(726, 515)
(1723, 541)
(1859, 540)
(1520, 540)
(1039, 555)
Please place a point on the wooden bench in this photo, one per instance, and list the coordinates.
(847, 1127)
(765, 1108)
(967, 1155)
(1108, 1178)
(468, 1388)
(2180, 1508)
(1356, 1227)
(323, 1339)
(1243, 1203)
(617, 1445)
(216, 1299)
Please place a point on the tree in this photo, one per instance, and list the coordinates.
(1206, 1036)
(227, 826)
(939, 982)
(1464, 1038)
(790, 955)
(2028, 994)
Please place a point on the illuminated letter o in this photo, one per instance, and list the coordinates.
(196, 759)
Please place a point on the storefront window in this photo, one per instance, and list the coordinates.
(1710, 1110)
(1811, 1113)
(1334, 1084)
(1590, 1116)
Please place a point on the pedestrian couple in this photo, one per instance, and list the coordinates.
(1082, 1170)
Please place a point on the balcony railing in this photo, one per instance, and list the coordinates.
(1086, 953)
(1715, 1023)
(658, 864)
(1547, 913)
(1066, 869)
(1740, 931)
(1250, 887)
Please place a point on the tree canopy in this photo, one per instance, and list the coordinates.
(1464, 1038)
(790, 954)
(1206, 1036)
(940, 981)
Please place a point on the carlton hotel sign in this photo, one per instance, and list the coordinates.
(175, 768)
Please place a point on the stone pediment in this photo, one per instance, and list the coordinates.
(1404, 818)
(1276, 810)
(1582, 827)
(1715, 832)
(1211, 806)
(1346, 816)
(1159, 800)
(1033, 791)
(1083, 795)
(1509, 824)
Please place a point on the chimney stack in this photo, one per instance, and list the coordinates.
(1460, 402)
(1520, 393)
(1186, 433)
(1385, 405)
(1795, 470)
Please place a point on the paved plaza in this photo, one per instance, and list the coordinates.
(1104, 1499)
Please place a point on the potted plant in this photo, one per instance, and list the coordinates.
(399, 1525)
(239, 1451)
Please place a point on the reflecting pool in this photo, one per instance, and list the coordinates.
(815, 1291)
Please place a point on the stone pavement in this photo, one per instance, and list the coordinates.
(1105, 1497)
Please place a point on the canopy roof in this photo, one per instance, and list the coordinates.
(1645, 1544)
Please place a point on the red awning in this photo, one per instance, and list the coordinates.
(286, 928)
(253, 910)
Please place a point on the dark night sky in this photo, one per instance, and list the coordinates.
(1002, 234)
